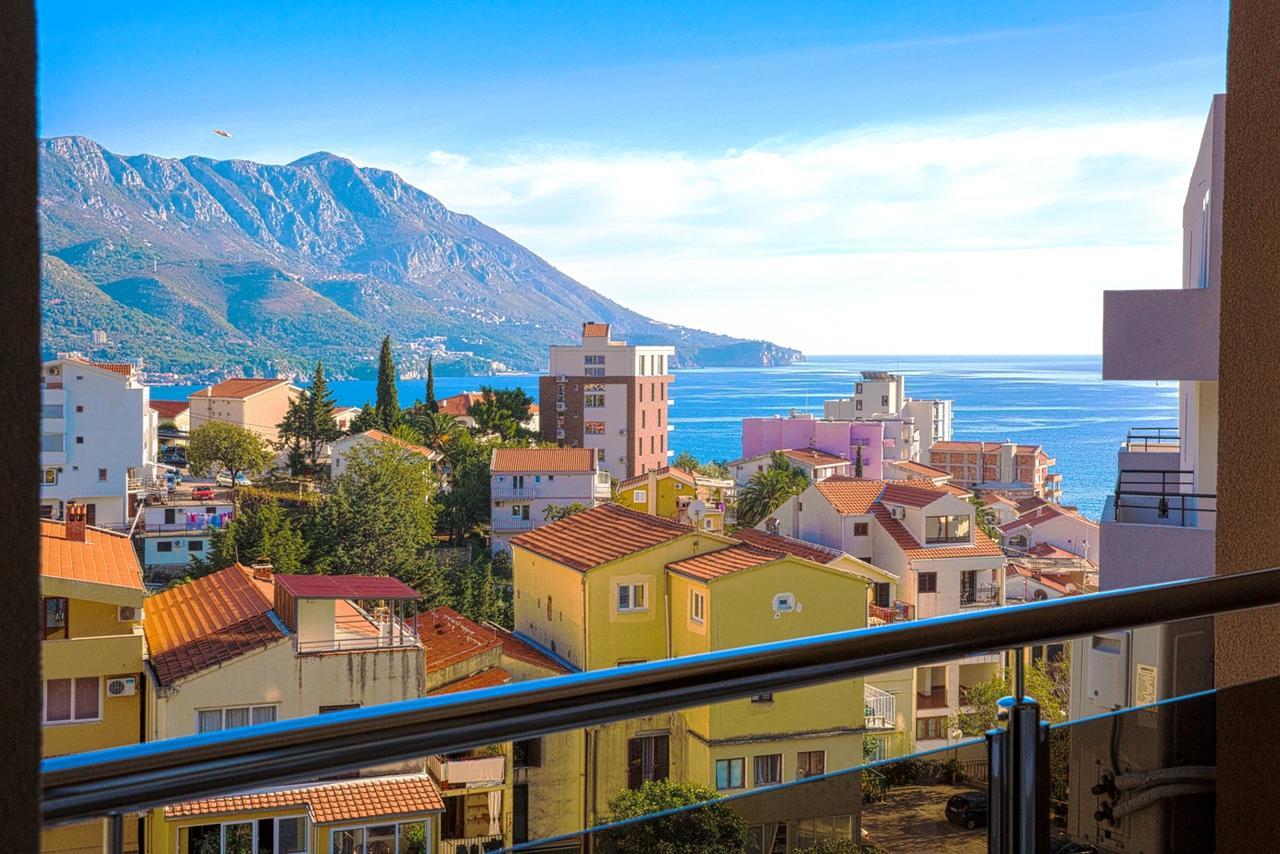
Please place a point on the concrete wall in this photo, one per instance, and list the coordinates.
(1134, 554)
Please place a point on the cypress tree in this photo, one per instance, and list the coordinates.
(857, 463)
(388, 401)
(430, 402)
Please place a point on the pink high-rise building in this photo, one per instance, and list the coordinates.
(802, 430)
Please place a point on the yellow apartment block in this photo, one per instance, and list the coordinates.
(669, 491)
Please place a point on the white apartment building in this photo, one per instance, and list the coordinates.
(928, 537)
(343, 445)
(97, 440)
(610, 397)
(911, 427)
(524, 482)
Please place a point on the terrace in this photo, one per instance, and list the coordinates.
(346, 613)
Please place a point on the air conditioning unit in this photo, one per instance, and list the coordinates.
(560, 378)
(897, 513)
(128, 614)
(122, 686)
(560, 406)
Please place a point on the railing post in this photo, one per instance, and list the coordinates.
(115, 833)
(1018, 777)
(997, 790)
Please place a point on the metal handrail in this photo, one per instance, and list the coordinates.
(136, 777)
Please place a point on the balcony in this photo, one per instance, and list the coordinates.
(1161, 497)
(898, 612)
(934, 698)
(881, 709)
(513, 492)
(982, 596)
(1167, 334)
(508, 524)
(471, 844)
(468, 770)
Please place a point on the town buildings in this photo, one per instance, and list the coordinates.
(341, 448)
(1054, 525)
(848, 439)
(911, 426)
(815, 464)
(527, 483)
(1006, 468)
(177, 532)
(97, 440)
(610, 397)
(609, 587)
(671, 493)
(255, 404)
(92, 679)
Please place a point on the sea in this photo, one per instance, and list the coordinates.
(1060, 402)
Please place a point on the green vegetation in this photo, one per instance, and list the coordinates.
(857, 462)
(366, 420)
(710, 829)
(688, 462)
(502, 411)
(768, 489)
(1049, 684)
(388, 399)
(429, 402)
(556, 512)
(986, 518)
(218, 446)
(260, 531)
(437, 429)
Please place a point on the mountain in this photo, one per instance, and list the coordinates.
(204, 268)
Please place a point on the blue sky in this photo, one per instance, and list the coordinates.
(862, 160)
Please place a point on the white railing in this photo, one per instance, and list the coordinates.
(515, 491)
(881, 708)
(469, 770)
(506, 523)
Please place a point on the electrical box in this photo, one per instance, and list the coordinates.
(1107, 686)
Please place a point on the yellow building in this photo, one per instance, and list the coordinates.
(243, 647)
(611, 586)
(668, 492)
(92, 655)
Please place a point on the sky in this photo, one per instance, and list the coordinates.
(856, 177)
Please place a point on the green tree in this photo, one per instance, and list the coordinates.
(406, 433)
(986, 518)
(767, 490)
(318, 406)
(687, 461)
(380, 518)
(857, 462)
(293, 433)
(1048, 684)
(260, 531)
(713, 828)
(556, 512)
(366, 419)
(438, 429)
(430, 403)
(218, 446)
(503, 411)
(388, 399)
(466, 504)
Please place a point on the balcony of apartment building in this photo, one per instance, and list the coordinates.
(469, 769)
(1168, 334)
(1156, 526)
(880, 712)
(347, 613)
(895, 612)
(513, 491)
(931, 687)
(472, 820)
(507, 523)
(53, 448)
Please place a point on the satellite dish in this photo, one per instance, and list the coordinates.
(697, 511)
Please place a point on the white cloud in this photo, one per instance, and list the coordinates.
(984, 234)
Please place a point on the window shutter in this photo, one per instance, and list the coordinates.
(661, 760)
(635, 763)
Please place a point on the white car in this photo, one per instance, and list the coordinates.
(224, 479)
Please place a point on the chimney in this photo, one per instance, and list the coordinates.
(261, 570)
(75, 525)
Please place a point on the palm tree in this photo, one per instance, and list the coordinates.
(767, 490)
(438, 429)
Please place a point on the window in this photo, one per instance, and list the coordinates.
(857, 389)
(195, 545)
(215, 720)
(102, 475)
(527, 753)
(79, 440)
(784, 602)
(946, 529)
(860, 529)
(51, 410)
(72, 700)
(857, 404)
(730, 772)
(810, 763)
(164, 546)
(755, 839)
(593, 360)
(49, 477)
(930, 728)
(593, 401)
(632, 597)
(627, 662)
(79, 408)
(927, 582)
(51, 443)
(697, 606)
(595, 428)
(55, 618)
(814, 831)
(884, 400)
(381, 838)
(594, 372)
(639, 495)
(768, 769)
(642, 419)
(599, 455)
(647, 759)
(882, 598)
(548, 608)
(324, 710)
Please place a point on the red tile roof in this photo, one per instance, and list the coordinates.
(349, 800)
(239, 388)
(514, 646)
(599, 535)
(206, 622)
(116, 367)
(450, 638)
(595, 330)
(723, 562)
(553, 460)
(919, 469)
(345, 587)
(910, 495)
(982, 545)
(1026, 505)
(986, 447)
(459, 405)
(813, 457)
(850, 496)
(103, 558)
(789, 545)
(170, 409)
(659, 473)
(1015, 570)
(1050, 551)
(996, 498)
(490, 678)
(379, 436)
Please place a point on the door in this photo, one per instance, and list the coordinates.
(520, 813)
(91, 514)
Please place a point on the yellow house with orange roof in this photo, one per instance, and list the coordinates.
(92, 653)
(611, 587)
(669, 492)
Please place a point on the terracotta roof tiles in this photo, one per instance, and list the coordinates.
(723, 562)
(170, 409)
(379, 436)
(659, 473)
(982, 544)
(595, 330)
(813, 457)
(490, 678)
(103, 558)
(599, 535)
(553, 460)
(459, 405)
(349, 800)
(788, 545)
(910, 494)
(448, 637)
(241, 387)
(919, 469)
(850, 496)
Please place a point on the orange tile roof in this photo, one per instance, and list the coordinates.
(996, 498)
(521, 649)
(1014, 569)
(986, 447)
(573, 460)
(919, 469)
(813, 457)
(723, 562)
(595, 330)
(789, 545)
(116, 367)
(170, 408)
(104, 557)
(490, 678)
(459, 405)
(908, 493)
(449, 638)
(850, 496)
(1026, 505)
(379, 436)
(348, 800)
(206, 622)
(240, 387)
(599, 535)
(1048, 550)
(659, 473)
(982, 544)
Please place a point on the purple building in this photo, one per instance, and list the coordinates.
(802, 430)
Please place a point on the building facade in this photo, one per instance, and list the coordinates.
(912, 426)
(845, 438)
(525, 484)
(174, 534)
(255, 404)
(97, 440)
(1006, 468)
(670, 492)
(610, 397)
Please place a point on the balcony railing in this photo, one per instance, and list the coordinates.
(1160, 497)
(360, 633)
(881, 708)
(455, 771)
(515, 491)
(471, 844)
(898, 612)
(1140, 439)
(982, 596)
(508, 524)
(124, 780)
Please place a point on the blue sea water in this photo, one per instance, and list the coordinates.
(1060, 402)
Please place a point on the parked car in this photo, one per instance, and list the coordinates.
(170, 481)
(202, 493)
(224, 479)
(968, 810)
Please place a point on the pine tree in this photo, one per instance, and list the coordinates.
(430, 402)
(388, 400)
(322, 428)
